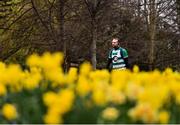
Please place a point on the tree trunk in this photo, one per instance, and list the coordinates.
(146, 14)
(93, 45)
(92, 7)
(61, 33)
(152, 33)
(61, 26)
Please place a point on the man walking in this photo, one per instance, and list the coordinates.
(118, 56)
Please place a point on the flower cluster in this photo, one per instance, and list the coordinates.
(132, 96)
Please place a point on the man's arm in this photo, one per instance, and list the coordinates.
(126, 62)
(108, 63)
(125, 57)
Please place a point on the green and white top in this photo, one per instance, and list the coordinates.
(117, 56)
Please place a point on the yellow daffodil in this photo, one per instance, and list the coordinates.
(164, 117)
(50, 98)
(116, 97)
(143, 112)
(110, 113)
(85, 68)
(53, 118)
(9, 111)
(83, 86)
(3, 89)
(136, 69)
(72, 75)
(32, 81)
(99, 97)
(66, 100)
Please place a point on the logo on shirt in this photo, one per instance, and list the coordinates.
(115, 58)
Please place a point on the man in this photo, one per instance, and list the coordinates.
(118, 56)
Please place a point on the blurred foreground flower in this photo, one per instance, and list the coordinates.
(110, 113)
(9, 111)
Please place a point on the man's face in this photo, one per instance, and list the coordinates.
(114, 43)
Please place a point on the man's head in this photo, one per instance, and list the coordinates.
(115, 43)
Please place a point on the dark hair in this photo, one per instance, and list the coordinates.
(117, 39)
